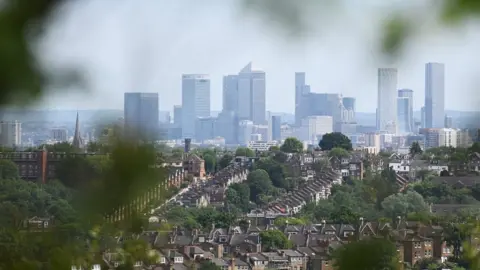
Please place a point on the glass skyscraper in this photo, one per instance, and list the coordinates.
(195, 101)
(434, 95)
(141, 115)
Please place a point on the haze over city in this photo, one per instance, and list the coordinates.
(146, 48)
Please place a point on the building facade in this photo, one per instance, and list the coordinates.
(10, 133)
(434, 95)
(195, 101)
(141, 115)
(387, 100)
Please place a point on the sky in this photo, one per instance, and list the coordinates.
(146, 45)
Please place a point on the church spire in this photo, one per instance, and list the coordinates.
(77, 139)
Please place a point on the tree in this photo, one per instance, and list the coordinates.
(238, 194)
(338, 152)
(292, 145)
(274, 239)
(225, 160)
(210, 162)
(8, 169)
(333, 140)
(177, 152)
(244, 152)
(259, 183)
(415, 149)
(402, 204)
(208, 265)
(274, 148)
(276, 172)
(372, 254)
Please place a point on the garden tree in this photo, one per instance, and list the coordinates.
(274, 148)
(335, 140)
(177, 152)
(76, 171)
(474, 148)
(280, 157)
(338, 152)
(289, 221)
(292, 145)
(259, 183)
(276, 172)
(8, 169)
(401, 204)
(368, 254)
(97, 147)
(415, 149)
(244, 152)
(238, 194)
(210, 162)
(444, 194)
(61, 147)
(385, 185)
(208, 265)
(224, 161)
(274, 239)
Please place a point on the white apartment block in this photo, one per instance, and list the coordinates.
(261, 145)
(10, 133)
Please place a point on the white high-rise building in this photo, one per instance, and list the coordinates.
(387, 100)
(250, 88)
(315, 126)
(195, 101)
(434, 95)
(10, 133)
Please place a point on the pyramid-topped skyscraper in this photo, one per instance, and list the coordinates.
(77, 139)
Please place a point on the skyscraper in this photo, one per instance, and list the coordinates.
(195, 101)
(141, 114)
(434, 95)
(230, 93)
(349, 110)
(405, 110)
(301, 91)
(387, 100)
(245, 94)
(177, 115)
(276, 128)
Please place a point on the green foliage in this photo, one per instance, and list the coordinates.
(210, 162)
(177, 152)
(274, 239)
(260, 184)
(446, 194)
(292, 145)
(208, 265)
(338, 152)
(225, 161)
(238, 195)
(276, 172)
(61, 147)
(8, 169)
(415, 149)
(401, 204)
(201, 218)
(369, 254)
(335, 140)
(289, 221)
(244, 152)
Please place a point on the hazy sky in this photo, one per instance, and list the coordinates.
(145, 45)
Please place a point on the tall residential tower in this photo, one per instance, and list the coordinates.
(434, 95)
(387, 100)
(195, 101)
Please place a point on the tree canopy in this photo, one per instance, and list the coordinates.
(292, 145)
(335, 140)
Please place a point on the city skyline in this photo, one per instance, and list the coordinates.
(122, 55)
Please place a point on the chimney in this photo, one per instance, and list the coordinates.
(219, 251)
(188, 141)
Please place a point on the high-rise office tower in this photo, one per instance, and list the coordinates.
(177, 115)
(349, 110)
(434, 95)
(423, 121)
(195, 101)
(301, 92)
(10, 133)
(276, 123)
(245, 94)
(230, 93)
(141, 115)
(387, 100)
(405, 110)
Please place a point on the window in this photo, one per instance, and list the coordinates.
(417, 245)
